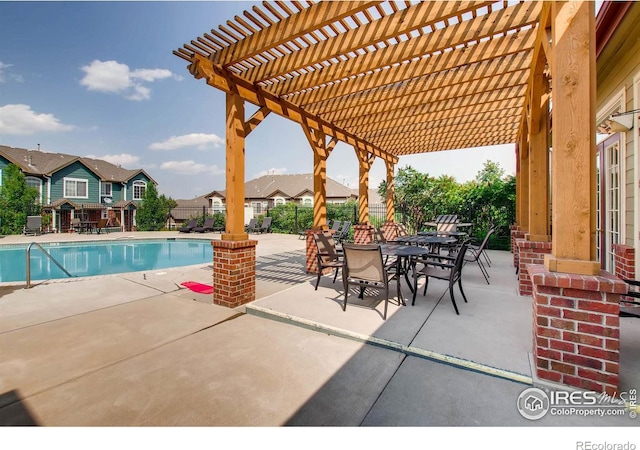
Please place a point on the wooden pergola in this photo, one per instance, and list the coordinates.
(396, 78)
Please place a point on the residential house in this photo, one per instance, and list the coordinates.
(618, 105)
(272, 190)
(72, 186)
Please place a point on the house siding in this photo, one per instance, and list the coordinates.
(139, 177)
(617, 68)
(75, 170)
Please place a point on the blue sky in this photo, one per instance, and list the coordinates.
(99, 79)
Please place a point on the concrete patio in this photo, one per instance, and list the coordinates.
(138, 350)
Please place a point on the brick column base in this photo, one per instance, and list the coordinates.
(625, 263)
(389, 231)
(363, 234)
(529, 252)
(515, 235)
(576, 328)
(234, 272)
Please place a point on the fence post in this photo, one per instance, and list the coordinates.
(203, 212)
(355, 213)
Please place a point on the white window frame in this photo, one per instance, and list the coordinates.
(39, 187)
(102, 188)
(76, 180)
(138, 184)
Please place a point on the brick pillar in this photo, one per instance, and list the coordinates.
(529, 252)
(389, 231)
(363, 234)
(234, 272)
(576, 328)
(625, 261)
(515, 235)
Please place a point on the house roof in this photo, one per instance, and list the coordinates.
(36, 162)
(186, 208)
(289, 186)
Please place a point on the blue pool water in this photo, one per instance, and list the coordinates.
(83, 259)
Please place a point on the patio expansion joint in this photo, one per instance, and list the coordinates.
(453, 361)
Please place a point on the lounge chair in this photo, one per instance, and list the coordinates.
(76, 225)
(188, 228)
(206, 226)
(363, 267)
(33, 226)
(341, 235)
(253, 226)
(630, 303)
(102, 226)
(327, 254)
(265, 227)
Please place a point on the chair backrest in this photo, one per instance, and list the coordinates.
(485, 241)
(208, 223)
(379, 237)
(346, 226)
(75, 221)
(447, 226)
(252, 223)
(326, 246)
(336, 225)
(192, 223)
(266, 223)
(402, 230)
(459, 262)
(34, 222)
(364, 262)
(103, 223)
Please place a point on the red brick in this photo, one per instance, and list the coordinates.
(602, 377)
(580, 293)
(548, 311)
(542, 321)
(607, 308)
(583, 361)
(549, 354)
(582, 383)
(612, 344)
(548, 332)
(563, 368)
(593, 352)
(548, 375)
(562, 345)
(582, 338)
(598, 330)
(563, 324)
(582, 316)
(563, 302)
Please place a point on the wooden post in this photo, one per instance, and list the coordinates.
(523, 222)
(518, 184)
(235, 135)
(365, 160)
(321, 151)
(391, 209)
(573, 72)
(539, 157)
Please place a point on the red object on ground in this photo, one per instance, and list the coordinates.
(198, 287)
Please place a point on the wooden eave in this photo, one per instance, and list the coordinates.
(390, 78)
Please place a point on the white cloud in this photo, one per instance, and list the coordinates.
(199, 140)
(20, 119)
(4, 75)
(117, 78)
(272, 171)
(190, 168)
(123, 159)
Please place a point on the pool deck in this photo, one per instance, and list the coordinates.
(138, 349)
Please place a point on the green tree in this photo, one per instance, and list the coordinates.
(154, 209)
(17, 201)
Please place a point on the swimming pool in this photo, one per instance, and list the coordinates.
(84, 259)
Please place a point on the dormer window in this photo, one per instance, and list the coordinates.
(139, 188)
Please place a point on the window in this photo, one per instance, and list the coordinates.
(105, 190)
(307, 201)
(35, 183)
(139, 188)
(279, 201)
(75, 188)
(257, 207)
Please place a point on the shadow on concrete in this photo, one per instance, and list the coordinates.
(14, 411)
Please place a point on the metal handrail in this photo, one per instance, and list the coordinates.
(46, 253)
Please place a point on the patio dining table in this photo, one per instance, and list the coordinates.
(405, 259)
